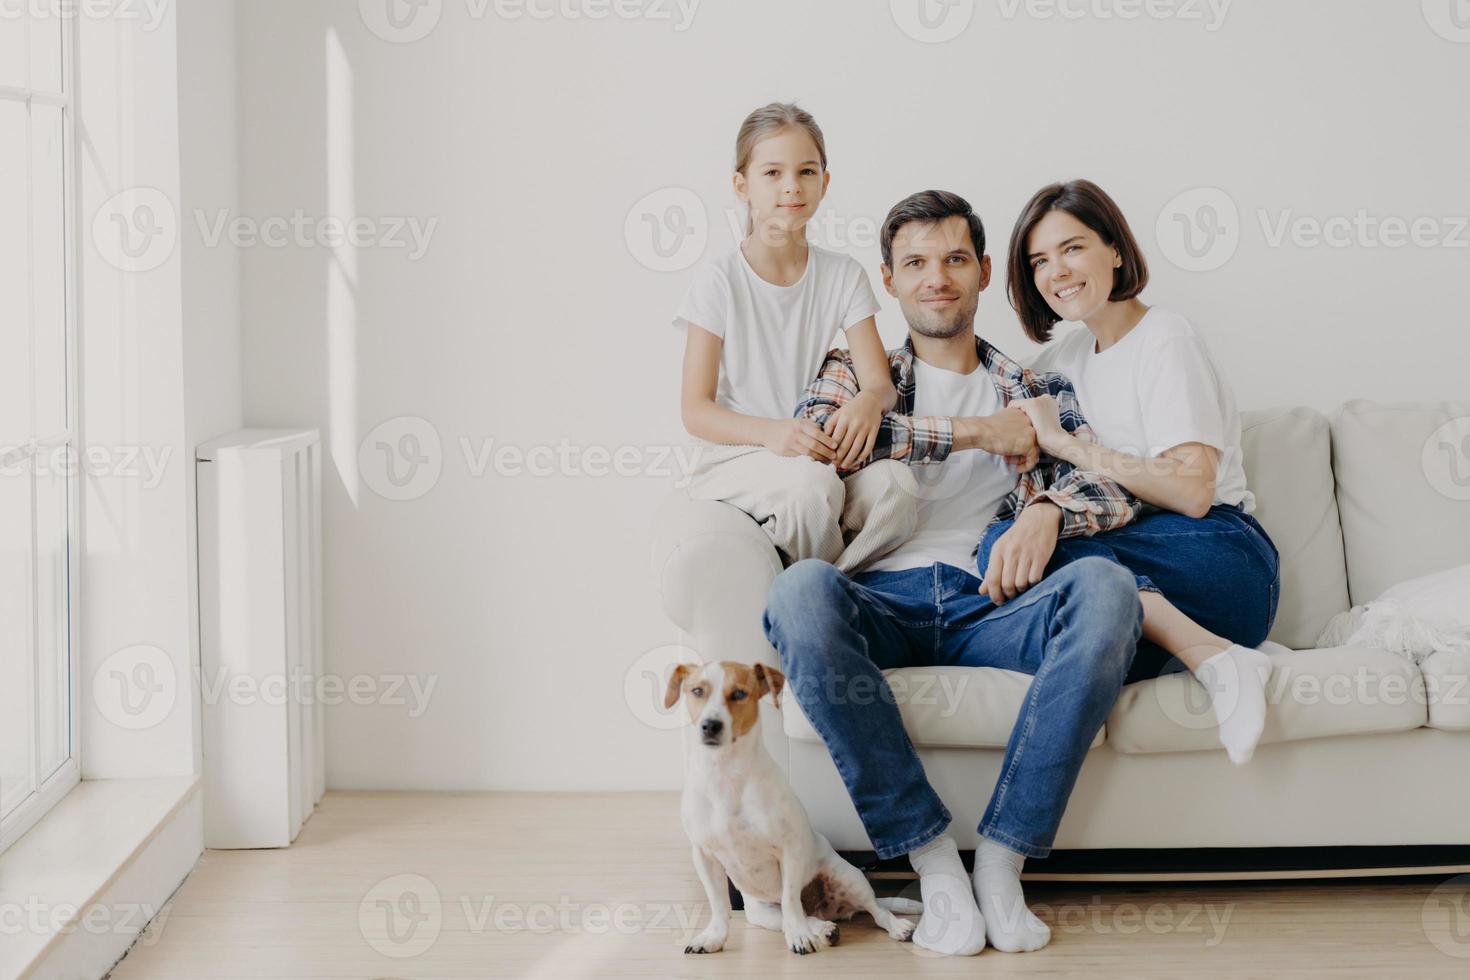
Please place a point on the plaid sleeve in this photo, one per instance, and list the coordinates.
(901, 437)
(1089, 502)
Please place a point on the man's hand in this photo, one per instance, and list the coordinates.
(855, 426)
(1046, 419)
(1006, 433)
(1019, 557)
(799, 437)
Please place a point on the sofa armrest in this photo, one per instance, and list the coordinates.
(713, 566)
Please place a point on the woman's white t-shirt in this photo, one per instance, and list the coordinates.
(776, 337)
(1155, 389)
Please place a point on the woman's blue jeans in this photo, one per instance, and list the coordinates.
(1220, 570)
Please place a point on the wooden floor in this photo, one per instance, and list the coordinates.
(546, 885)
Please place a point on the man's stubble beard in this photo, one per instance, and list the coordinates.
(964, 320)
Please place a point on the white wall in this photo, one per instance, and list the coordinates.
(530, 319)
(137, 647)
(209, 183)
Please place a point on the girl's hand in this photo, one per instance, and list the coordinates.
(800, 437)
(1046, 420)
(855, 426)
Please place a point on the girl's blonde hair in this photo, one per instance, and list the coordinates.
(769, 119)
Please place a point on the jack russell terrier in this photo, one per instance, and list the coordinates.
(743, 820)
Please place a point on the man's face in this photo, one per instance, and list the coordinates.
(936, 276)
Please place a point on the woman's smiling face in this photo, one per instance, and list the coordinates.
(1071, 266)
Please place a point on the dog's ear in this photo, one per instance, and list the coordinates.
(676, 681)
(769, 679)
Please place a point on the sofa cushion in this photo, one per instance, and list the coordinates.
(1312, 694)
(1288, 466)
(1447, 684)
(945, 707)
(1403, 488)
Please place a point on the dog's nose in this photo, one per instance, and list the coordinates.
(711, 727)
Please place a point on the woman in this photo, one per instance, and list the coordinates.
(1167, 430)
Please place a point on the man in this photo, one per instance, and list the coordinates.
(922, 604)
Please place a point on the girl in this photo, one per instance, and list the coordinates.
(759, 321)
(1167, 430)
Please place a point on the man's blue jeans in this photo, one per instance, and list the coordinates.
(1076, 632)
(1220, 570)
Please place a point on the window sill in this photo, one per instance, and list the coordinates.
(78, 855)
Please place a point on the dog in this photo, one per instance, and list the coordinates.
(744, 821)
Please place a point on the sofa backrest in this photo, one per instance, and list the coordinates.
(1403, 490)
(1288, 466)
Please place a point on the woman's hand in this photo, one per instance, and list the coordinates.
(1019, 557)
(1047, 421)
(855, 426)
(799, 437)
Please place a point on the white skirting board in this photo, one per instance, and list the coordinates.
(260, 626)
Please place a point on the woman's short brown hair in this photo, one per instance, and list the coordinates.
(1092, 206)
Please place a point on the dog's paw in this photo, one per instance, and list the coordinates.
(902, 929)
(817, 935)
(707, 942)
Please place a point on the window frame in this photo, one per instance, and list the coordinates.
(47, 792)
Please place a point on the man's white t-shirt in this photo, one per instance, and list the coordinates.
(776, 337)
(1155, 389)
(959, 496)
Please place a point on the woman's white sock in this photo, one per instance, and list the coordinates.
(1235, 679)
(1009, 924)
(951, 922)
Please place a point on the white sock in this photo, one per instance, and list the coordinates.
(951, 922)
(1235, 679)
(1008, 922)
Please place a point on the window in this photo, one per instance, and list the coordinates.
(38, 445)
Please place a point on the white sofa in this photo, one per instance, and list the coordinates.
(1361, 747)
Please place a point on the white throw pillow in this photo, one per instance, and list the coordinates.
(1414, 619)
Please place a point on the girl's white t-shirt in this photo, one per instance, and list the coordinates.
(1155, 389)
(776, 337)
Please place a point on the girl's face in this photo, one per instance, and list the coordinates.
(783, 184)
(1071, 266)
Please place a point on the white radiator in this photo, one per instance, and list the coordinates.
(260, 626)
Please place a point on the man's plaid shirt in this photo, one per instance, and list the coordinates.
(1089, 502)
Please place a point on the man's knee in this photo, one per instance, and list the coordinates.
(800, 589)
(1108, 590)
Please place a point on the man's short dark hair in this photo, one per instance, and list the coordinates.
(930, 207)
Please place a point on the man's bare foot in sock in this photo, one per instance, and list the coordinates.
(1009, 924)
(951, 923)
